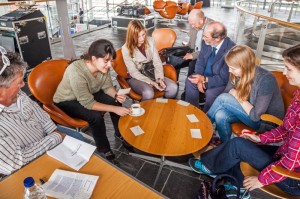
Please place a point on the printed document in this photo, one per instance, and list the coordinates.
(72, 152)
(70, 185)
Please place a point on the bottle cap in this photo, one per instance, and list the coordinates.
(28, 182)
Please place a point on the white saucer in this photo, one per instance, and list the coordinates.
(140, 114)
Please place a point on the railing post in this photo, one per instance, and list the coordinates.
(107, 8)
(291, 12)
(261, 40)
(255, 19)
(240, 27)
(272, 9)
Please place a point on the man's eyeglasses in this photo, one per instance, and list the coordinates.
(5, 59)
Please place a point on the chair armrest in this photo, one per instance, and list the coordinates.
(123, 83)
(170, 72)
(271, 118)
(62, 118)
(285, 172)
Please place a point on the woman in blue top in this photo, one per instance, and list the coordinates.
(250, 92)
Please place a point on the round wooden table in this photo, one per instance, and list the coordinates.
(167, 129)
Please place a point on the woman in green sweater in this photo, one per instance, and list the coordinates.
(86, 92)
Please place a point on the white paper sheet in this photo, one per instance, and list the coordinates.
(137, 130)
(161, 100)
(196, 133)
(70, 185)
(72, 152)
(124, 91)
(183, 103)
(192, 118)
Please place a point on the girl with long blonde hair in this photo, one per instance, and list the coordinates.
(250, 92)
(139, 50)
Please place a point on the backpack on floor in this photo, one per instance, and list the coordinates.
(214, 188)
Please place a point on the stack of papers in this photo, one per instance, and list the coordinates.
(72, 152)
(70, 185)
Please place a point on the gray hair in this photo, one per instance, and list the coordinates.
(17, 66)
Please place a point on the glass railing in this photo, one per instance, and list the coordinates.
(268, 27)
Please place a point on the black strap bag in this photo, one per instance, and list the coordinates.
(179, 51)
(214, 188)
(148, 70)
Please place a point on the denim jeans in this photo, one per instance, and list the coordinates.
(70, 132)
(226, 158)
(226, 110)
(94, 118)
(192, 94)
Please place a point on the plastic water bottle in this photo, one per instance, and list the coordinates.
(32, 190)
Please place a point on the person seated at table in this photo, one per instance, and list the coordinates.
(86, 92)
(138, 50)
(250, 92)
(259, 153)
(211, 71)
(26, 130)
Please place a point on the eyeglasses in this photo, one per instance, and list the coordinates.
(5, 59)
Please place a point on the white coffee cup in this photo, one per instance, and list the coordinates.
(135, 109)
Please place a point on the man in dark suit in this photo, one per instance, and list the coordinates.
(211, 71)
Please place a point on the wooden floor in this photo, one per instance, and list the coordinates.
(174, 182)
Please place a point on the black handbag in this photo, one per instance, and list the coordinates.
(148, 70)
(179, 51)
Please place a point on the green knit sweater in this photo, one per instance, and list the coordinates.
(78, 83)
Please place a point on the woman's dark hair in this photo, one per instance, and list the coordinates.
(292, 55)
(99, 49)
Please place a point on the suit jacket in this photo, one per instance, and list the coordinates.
(193, 37)
(135, 64)
(219, 67)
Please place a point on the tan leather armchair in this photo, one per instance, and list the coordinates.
(271, 189)
(120, 68)
(159, 5)
(287, 91)
(169, 13)
(43, 81)
(164, 38)
(197, 5)
(184, 9)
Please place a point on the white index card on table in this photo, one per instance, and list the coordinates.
(196, 133)
(161, 100)
(192, 118)
(124, 91)
(137, 130)
(183, 103)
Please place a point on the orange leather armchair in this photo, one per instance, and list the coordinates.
(159, 5)
(43, 81)
(271, 189)
(147, 11)
(171, 3)
(197, 5)
(169, 13)
(120, 68)
(164, 38)
(287, 91)
(184, 9)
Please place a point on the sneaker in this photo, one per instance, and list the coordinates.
(198, 167)
(231, 191)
